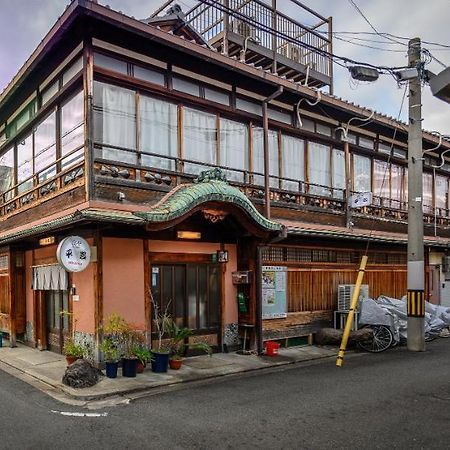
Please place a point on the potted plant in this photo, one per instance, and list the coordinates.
(73, 351)
(111, 356)
(178, 345)
(160, 354)
(143, 355)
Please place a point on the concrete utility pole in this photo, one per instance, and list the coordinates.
(416, 266)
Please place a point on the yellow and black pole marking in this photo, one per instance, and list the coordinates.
(416, 303)
(351, 313)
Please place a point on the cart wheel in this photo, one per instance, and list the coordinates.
(382, 339)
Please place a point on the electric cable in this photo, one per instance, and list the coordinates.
(370, 24)
(270, 30)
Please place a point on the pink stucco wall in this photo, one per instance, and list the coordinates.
(123, 279)
(84, 309)
(231, 312)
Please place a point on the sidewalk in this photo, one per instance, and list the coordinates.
(34, 366)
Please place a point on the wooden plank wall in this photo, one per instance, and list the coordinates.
(315, 289)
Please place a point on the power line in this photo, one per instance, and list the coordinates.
(270, 30)
(370, 24)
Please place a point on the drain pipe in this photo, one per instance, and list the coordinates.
(266, 151)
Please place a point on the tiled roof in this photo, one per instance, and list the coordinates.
(210, 186)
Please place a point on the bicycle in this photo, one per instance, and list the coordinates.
(381, 340)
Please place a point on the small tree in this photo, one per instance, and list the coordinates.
(161, 320)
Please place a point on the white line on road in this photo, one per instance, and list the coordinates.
(78, 414)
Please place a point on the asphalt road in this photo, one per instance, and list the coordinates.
(391, 400)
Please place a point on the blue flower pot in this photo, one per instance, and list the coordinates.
(160, 362)
(129, 367)
(111, 369)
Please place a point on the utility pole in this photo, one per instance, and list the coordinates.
(416, 266)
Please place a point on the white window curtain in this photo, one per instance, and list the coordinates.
(319, 164)
(115, 121)
(50, 278)
(159, 132)
(396, 184)
(45, 148)
(361, 174)
(234, 148)
(199, 140)
(7, 172)
(258, 157)
(338, 182)
(381, 179)
(292, 162)
(427, 193)
(441, 191)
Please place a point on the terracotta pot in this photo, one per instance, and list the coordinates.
(71, 359)
(175, 364)
(140, 367)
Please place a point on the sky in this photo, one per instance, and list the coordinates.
(24, 23)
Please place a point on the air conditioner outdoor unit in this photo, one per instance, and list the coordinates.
(291, 51)
(243, 28)
(345, 294)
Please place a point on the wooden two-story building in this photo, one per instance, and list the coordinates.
(196, 157)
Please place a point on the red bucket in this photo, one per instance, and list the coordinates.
(272, 348)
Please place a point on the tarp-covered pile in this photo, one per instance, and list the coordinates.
(392, 313)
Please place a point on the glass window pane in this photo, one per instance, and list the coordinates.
(441, 191)
(73, 70)
(115, 121)
(365, 142)
(182, 85)
(384, 148)
(234, 148)
(399, 153)
(72, 129)
(25, 163)
(166, 288)
(214, 297)
(180, 295)
(199, 140)
(191, 278)
(50, 92)
(202, 296)
(428, 193)
(381, 179)
(149, 75)
(307, 125)
(361, 174)
(396, 184)
(323, 129)
(7, 173)
(338, 163)
(110, 63)
(159, 132)
(250, 107)
(319, 165)
(45, 148)
(258, 157)
(293, 162)
(217, 96)
(280, 116)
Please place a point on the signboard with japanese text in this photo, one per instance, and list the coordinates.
(274, 287)
(74, 254)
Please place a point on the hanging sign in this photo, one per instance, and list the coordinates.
(361, 199)
(74, 254)
(274, 285)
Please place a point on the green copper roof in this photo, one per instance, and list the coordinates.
(210, 186)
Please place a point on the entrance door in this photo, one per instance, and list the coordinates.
(56, 303)
(434, 284)
(193, 294)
